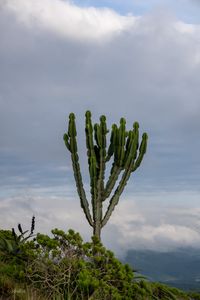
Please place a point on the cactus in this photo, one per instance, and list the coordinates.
(127, 156)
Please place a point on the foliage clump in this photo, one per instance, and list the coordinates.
(67, 266)
(62, 266)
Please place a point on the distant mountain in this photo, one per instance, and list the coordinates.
(179, 268)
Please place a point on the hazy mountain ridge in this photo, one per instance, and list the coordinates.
(179, 268)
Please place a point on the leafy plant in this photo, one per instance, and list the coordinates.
(11, 243)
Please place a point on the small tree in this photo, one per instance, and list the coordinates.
(127, 157)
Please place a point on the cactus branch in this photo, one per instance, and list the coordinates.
(92, 161)
(71, 142)
(115, 198)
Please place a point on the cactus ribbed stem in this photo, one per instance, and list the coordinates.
(70, 141)
(91, 161)
(115, 198)
(124, 149)
(112, 181)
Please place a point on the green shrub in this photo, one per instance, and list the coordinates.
(63, 267)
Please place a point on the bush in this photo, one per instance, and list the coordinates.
(64, 267)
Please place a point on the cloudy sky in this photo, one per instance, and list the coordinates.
(133, 58)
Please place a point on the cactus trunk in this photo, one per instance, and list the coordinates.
(97, 230)
(126, 159)
(97, 224)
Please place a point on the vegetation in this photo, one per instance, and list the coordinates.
(126, 158)
(63, 267)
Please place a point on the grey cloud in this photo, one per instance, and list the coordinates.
(147, 74)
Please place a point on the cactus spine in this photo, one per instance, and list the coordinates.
(127, 157)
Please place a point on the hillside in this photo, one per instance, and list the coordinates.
(180, 268)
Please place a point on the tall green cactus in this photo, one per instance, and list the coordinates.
(127, 157)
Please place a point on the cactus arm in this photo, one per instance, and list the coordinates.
(92, 161)
(101, 138)
(100, 148)
(80, 188)
(71, 144)
(116, 169)
(132, 145)
(112, 142)
(66, 140)
(115, 172)
(130, 167)
(101, 131)
(142, 151)
(115, 198)
(122, 140)
(117, 143)
(130, 153)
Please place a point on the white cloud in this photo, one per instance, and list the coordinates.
(66, 19)
(161, 237)
(50, 212)
(145, 222)
(82, 23)
(186, 28)
(156, 222)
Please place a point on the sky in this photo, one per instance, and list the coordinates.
(134, 59)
